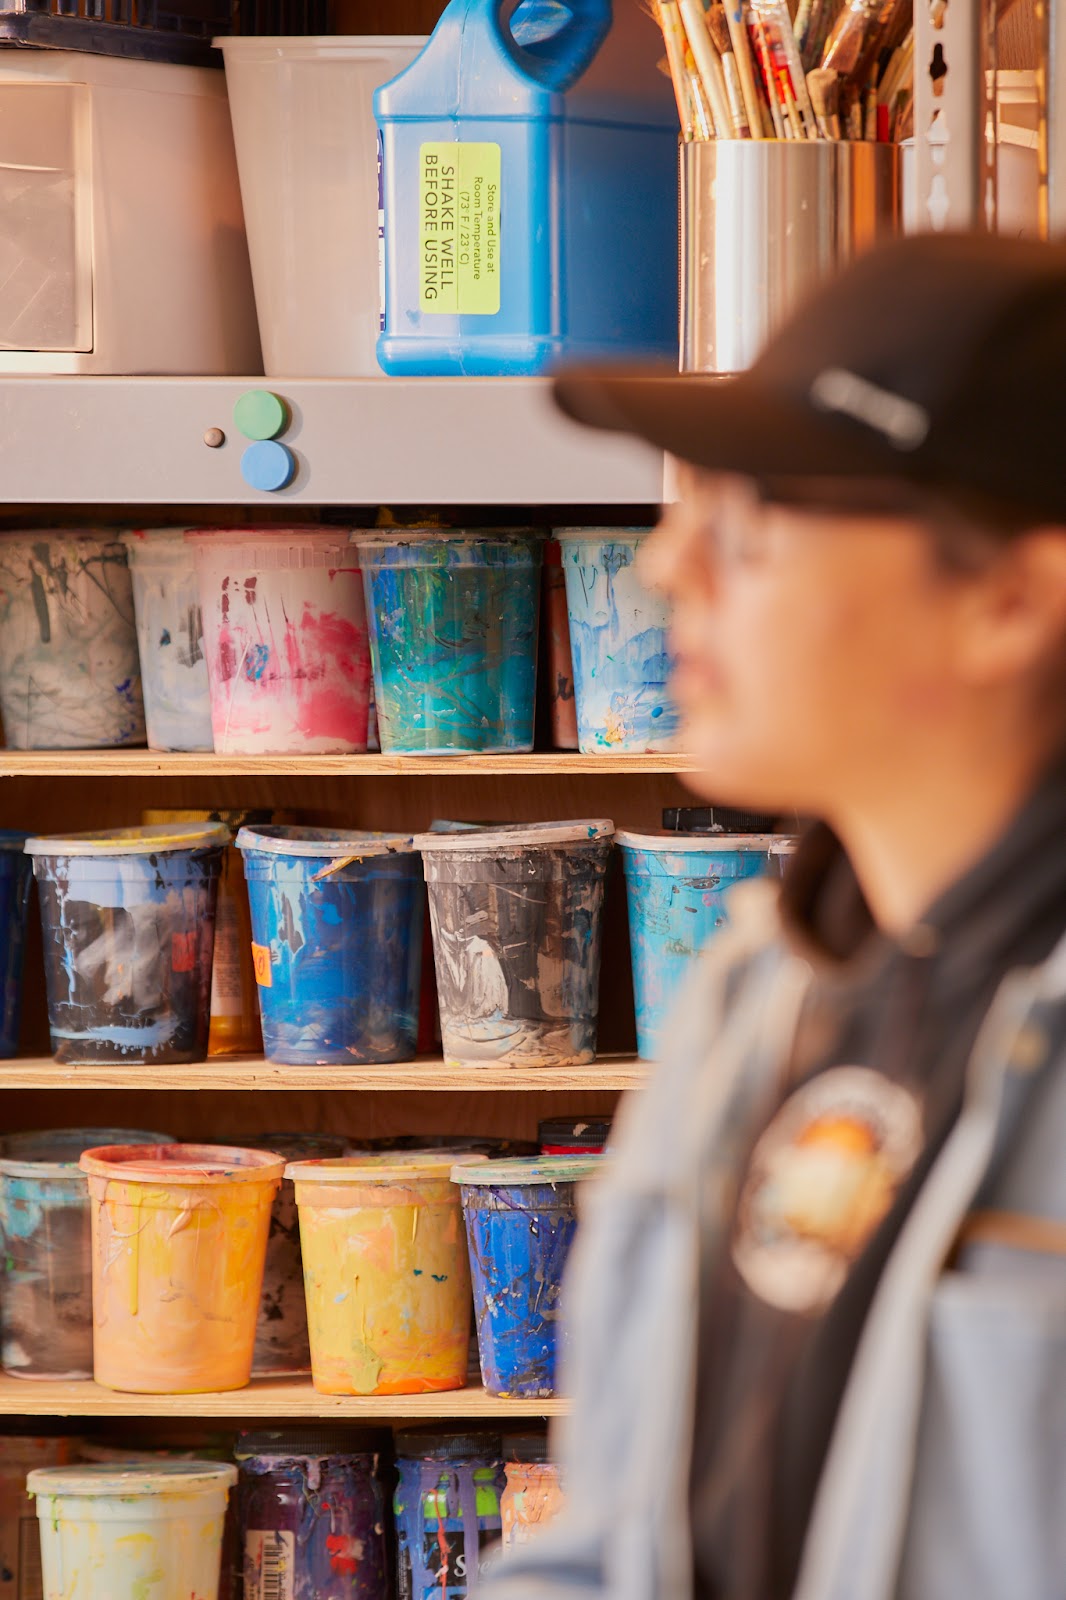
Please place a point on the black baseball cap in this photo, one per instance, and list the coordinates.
(938, 361)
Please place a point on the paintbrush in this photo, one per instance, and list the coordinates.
(666, 14)
(707, 64)
(738, 33)
(704, 118)
(784, 53)
(824, 89)
(782, 128)
(718, 24)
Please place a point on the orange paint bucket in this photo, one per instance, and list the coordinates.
(179, 1236)
(386, 1273)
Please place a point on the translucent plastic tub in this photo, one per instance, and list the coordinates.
(170, 640)
(307, 153)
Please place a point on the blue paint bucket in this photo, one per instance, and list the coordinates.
(677, 886)
(521, 1217)
(447, 1510)
(46, 1308)
(454, 621)
(15, 875)
(618, 639)
(128, 918)
(337, 942)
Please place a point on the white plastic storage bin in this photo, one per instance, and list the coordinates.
(122, 248)
(303, 124)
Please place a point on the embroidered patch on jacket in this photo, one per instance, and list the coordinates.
(822, 1177)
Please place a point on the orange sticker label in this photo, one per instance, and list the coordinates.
(183, 951)
(261, 959)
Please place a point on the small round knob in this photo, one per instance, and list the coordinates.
(268, 466)
(260, 414)
(213, 438)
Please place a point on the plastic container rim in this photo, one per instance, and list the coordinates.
(667, 842)
(18, 1166)
(100, 1480)
(519, 836)
(362, 1170)
(316, 46)
(147, 839)
(291, 839)
(197, 1165)
(529, 1171)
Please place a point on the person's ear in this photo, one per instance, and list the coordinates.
(1013, 613)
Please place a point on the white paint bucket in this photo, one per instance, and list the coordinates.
(166, 598)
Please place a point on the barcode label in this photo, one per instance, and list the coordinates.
(269, 1566)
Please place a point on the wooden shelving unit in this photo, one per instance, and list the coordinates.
(427, 1075)
(264, 1397)
(155, 764)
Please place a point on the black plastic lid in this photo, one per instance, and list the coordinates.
(523, 1447)
(715, 819)
(310, 1442)
(582, 1133)
(478, 1144)
(430, 1444)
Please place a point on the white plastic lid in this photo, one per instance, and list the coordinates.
(520, 836)
(154, 838)
(602, 535)
(157, 1477)
(386, 1166)
(669, 843)
(323, 844)
(519, 1170)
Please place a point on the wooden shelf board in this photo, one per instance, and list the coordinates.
(252, 1072)
(158, 764)
(264, 1397)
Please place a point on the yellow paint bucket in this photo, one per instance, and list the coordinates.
(386, 1273)
(179, 1236)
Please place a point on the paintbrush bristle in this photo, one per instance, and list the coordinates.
(718, 23)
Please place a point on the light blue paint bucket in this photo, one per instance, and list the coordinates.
(46, 1312)
(677, 886)
(128, 919)
(618, 638)
(15, 876)
(337, 940)
(170, 639)
(454, 621)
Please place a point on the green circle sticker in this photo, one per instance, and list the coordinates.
(260, 414)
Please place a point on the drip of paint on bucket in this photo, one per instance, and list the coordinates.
(46, 1328)
(170, 642)
(534, 1496)
(179, 1237)
(69, 670)
(454, 620)
(132, 1533)
(128, 918)
(285, 630)
(385, 1272)
(618, 635)
(337, 939)
(677, 885)
(521, 1218)
(447, 1509)
(517, 917)
(312, 1515)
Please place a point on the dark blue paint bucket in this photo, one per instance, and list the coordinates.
(521, 1217)
(337, 942)
(16, 871)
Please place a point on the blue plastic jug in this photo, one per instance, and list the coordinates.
(529, 191)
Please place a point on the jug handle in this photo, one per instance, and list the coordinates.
(558, 61)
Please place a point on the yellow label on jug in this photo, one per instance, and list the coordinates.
(459, 228)
(261, 960)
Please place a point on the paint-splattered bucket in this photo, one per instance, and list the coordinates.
(677, 886)
(150, 1532)
(178, 1248)
(618, 635)
(337, 941)
(281, 1345)
(453, 632)
(128, 919)
(15, 877)
(69, 673)
(385, 1273)
(517, 920)
(46, 1311)
(20, 1541)
(447, 1510)
(560, 664)
(166, 599)
(521, 1217)
(533, 1496)
(312, 1515)
(285, 631)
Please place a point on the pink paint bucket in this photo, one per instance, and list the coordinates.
(286, 640)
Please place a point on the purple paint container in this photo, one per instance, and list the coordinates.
(312, 1515)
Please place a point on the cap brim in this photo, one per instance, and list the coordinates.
(724, 424)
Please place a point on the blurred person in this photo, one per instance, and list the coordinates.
(818, 1302)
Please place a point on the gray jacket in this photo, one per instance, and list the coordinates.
(946, 1475)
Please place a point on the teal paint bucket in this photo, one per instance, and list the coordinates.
(454, 620)
(677, 887)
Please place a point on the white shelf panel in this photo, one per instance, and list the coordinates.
(427, 1075)
(367, 441)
